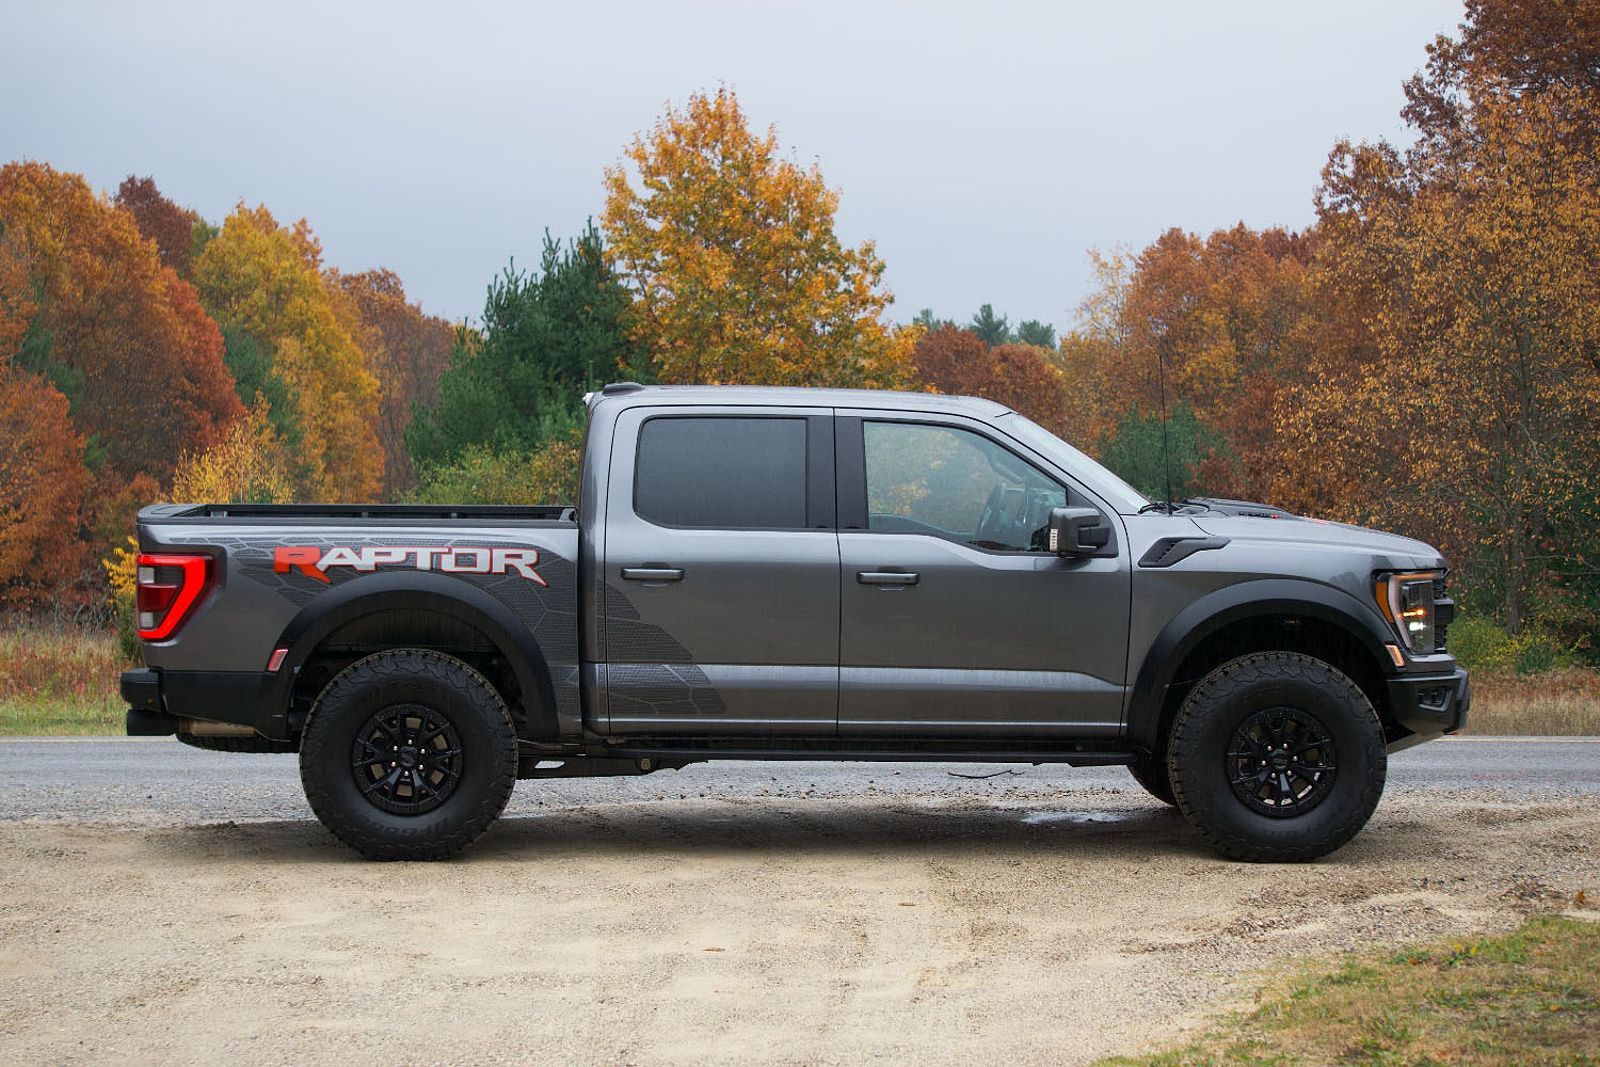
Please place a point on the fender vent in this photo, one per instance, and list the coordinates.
(1170, 550)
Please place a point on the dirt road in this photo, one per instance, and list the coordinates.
(1027, 923)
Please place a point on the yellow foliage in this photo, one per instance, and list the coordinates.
(268, 280)
(732, 255)
(121, 569)
(249, 465)
(1471, 417)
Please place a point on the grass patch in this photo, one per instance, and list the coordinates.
(1527, 997)
(59, 680)
(1565, 701)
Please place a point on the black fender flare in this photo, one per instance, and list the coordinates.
(415, 591)
(1234, 603)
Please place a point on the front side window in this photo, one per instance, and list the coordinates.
(722, 472)
(957, 484)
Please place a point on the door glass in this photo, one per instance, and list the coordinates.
(953, 483)
(722, 472)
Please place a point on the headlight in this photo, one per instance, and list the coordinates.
(1407, 601)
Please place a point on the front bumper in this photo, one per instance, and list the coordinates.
(1431, 704)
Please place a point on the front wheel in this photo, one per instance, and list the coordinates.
(1276, 756)
(408, 754)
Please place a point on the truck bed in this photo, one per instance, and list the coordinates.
(343, 512)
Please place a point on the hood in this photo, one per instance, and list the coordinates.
(1284, 527)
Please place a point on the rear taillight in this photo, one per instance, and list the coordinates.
(168, 587)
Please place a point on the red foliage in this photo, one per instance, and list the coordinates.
(159, 219)
(955, 361)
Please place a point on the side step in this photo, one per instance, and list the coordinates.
(695, 753)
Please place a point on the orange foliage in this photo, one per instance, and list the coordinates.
(731, 252)
(407, 352)
(125, 335)
(42, 486)
(955, 361)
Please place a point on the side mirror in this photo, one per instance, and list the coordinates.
(1080, 532)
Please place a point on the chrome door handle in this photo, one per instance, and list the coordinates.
(888, 577)
(653, 574)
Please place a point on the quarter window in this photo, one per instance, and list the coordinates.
(722, 472)
(954, 483)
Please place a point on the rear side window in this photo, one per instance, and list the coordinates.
(722, 472)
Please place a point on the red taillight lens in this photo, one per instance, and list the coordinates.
(168, 586)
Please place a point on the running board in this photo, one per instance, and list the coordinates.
(1075, 758)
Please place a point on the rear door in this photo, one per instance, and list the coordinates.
(955, 620)
(720, 606)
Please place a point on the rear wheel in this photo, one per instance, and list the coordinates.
(408, 754)
(1276, 756)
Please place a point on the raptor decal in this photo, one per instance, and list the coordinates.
(314, 561)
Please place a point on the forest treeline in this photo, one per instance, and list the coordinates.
(1425, 357)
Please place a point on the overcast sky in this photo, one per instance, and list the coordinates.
(985, 146)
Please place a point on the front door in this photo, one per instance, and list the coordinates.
(720, 606)
(955, 620)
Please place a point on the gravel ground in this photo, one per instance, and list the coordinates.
(161, 904)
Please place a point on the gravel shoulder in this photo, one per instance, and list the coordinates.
(898, 916)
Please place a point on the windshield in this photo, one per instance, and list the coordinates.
(1122, 496)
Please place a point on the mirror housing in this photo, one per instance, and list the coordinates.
(1080, 532)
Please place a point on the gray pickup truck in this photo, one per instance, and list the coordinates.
(798, 574)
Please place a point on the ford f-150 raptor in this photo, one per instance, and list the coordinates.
(783, 574)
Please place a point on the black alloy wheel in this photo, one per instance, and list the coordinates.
(1281, 762)
(407, 759)
(408, 754)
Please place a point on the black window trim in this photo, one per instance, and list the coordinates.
(819, 447)
(851, 453)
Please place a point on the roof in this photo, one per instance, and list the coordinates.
(790, 396)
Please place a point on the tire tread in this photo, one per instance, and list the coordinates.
(402, 664)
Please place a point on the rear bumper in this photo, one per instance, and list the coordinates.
(157, 699)
(1431, 704)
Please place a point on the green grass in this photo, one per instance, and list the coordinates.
(1528, 997)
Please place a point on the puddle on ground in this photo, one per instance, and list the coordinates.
(1039, 818)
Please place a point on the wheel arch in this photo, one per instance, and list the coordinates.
(1264, 615)
(415, 608)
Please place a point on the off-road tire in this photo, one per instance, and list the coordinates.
(1152, 774)
(1204, 730)
(237, 744)
(447, 687)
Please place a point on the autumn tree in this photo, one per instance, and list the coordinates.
(115, 331)
(547, 338)
(248, 465)
(731, 253)
(17, 305)
(1467, 413)
(407, 352)
(1220, 323)
(266, 280)
(42, 487)
(1022, 377)
(171, 227)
